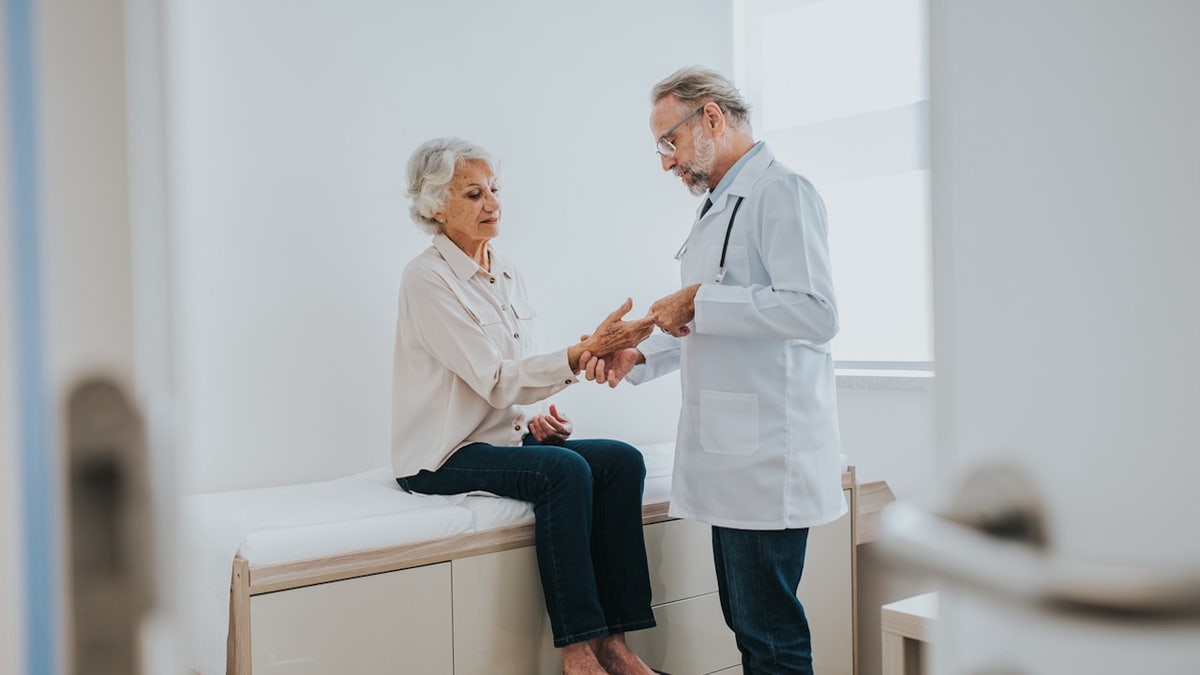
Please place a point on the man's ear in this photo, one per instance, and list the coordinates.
(714, 119)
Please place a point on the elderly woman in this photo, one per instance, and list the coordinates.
(464, 373)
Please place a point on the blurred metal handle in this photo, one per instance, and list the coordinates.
(110, 527)
(997, 545)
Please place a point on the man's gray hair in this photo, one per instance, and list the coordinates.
(430, 170)
(695, 86)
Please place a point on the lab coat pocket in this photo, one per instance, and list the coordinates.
(728, 422)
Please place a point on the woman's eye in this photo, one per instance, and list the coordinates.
(474, 195)
(496, 190)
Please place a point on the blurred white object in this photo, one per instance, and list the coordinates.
(1064, 165)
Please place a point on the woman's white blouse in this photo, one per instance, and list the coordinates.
(462, 372)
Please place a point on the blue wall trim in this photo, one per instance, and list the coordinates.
(39, 488)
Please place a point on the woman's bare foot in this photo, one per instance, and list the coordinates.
(617, 658)
(579, 659)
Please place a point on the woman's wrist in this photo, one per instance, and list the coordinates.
(574, 353)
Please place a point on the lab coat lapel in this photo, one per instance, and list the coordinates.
(702, 250)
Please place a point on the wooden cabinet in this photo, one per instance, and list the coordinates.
(827, 591)
(472, 604)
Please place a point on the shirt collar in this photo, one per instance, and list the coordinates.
(463, 266)
(727, 180)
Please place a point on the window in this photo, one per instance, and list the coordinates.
(840, 90)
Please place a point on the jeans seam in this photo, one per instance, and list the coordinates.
(632, 625)
(580, 637)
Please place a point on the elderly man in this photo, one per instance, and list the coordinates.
(758, 453)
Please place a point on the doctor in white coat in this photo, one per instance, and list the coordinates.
(758, 454)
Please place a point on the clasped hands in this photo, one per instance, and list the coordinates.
(609, 353)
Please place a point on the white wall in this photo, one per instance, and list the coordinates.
(887, 430)
(289, 126)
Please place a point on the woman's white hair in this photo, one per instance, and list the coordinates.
(430, 170)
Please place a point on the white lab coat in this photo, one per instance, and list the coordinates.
(757, 446)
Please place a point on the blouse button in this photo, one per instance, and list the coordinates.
(517, 427)
(491, 280)
(516, 335)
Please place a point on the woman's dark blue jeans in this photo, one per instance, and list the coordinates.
(587, 506)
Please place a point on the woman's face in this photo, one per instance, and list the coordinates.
(471, 213)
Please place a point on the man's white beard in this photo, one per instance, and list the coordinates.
(701, 166)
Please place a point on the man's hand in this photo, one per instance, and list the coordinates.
(613, 368)
(552, 428)
(673, 312)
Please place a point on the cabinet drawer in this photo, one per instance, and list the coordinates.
(691, 637)
(365, 626)
(500, 621)
(680, 556)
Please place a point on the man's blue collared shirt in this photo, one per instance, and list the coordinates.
(727, 179)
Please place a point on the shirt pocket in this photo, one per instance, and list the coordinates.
(493, 326)
(485, 315)
(523, 310)
(728, 422)
(525, 315)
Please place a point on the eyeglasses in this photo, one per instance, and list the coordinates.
(667, 148)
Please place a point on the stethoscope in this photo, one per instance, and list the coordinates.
(724, 247)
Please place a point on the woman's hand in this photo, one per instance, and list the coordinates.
(552, 428)
(614, 334)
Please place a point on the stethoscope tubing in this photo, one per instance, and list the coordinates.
(724, 246)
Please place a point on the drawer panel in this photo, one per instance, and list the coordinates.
(365, 626)
(500, 621)
(691, 637)
(680, 557)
